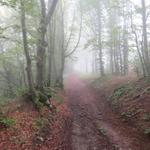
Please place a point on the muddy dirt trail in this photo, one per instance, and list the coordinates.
(95, 126)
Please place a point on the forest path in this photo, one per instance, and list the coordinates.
(95, 126)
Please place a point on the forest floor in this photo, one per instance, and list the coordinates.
(34, 130)
(93, 116)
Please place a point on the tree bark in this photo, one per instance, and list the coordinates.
(41, 47)
(100, 39)
(145, 41)
(26, 50)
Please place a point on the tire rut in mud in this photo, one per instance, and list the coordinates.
(85, 134)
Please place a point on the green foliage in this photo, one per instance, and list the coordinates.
(138, 9)
(42, 99)
(131, 113)
(90, 42)
(122, 90)
(114, 4)
(37, 102)
(147, 80)
(7, 122)
(10, 3)
(41, 122)
(127, 114)
(21, 91)
(146, 116)
(59, 99)
(147, 131)
(88, 4)
(119, 92)
(4, 100)
(92, 5)
(32, 8)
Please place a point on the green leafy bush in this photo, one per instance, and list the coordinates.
(122, 90)
(21, 91)
(119, 92)
(7, 122)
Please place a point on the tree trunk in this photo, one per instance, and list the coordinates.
(41, 47)
(100, 39)
(145, 41)
(26, 51)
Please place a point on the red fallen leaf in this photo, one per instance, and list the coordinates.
(2, 145)
(25, 129)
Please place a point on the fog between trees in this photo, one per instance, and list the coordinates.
(40, 41)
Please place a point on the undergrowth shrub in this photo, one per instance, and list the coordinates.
(4, 100)
(147, 131)
(119, 92)
(7, 122)
(122, 90)
(146, 116)
(41, 122)
(21, 91)
(41, 99)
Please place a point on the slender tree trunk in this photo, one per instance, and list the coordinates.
(63, 48)
(140, 53)
(111, 60)
(100, 39)
(125, 40)
(51, 41)
(121, 61)
(145, 41)
(41, 48)
(116, 57)
(125, 52)
(26, 51)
